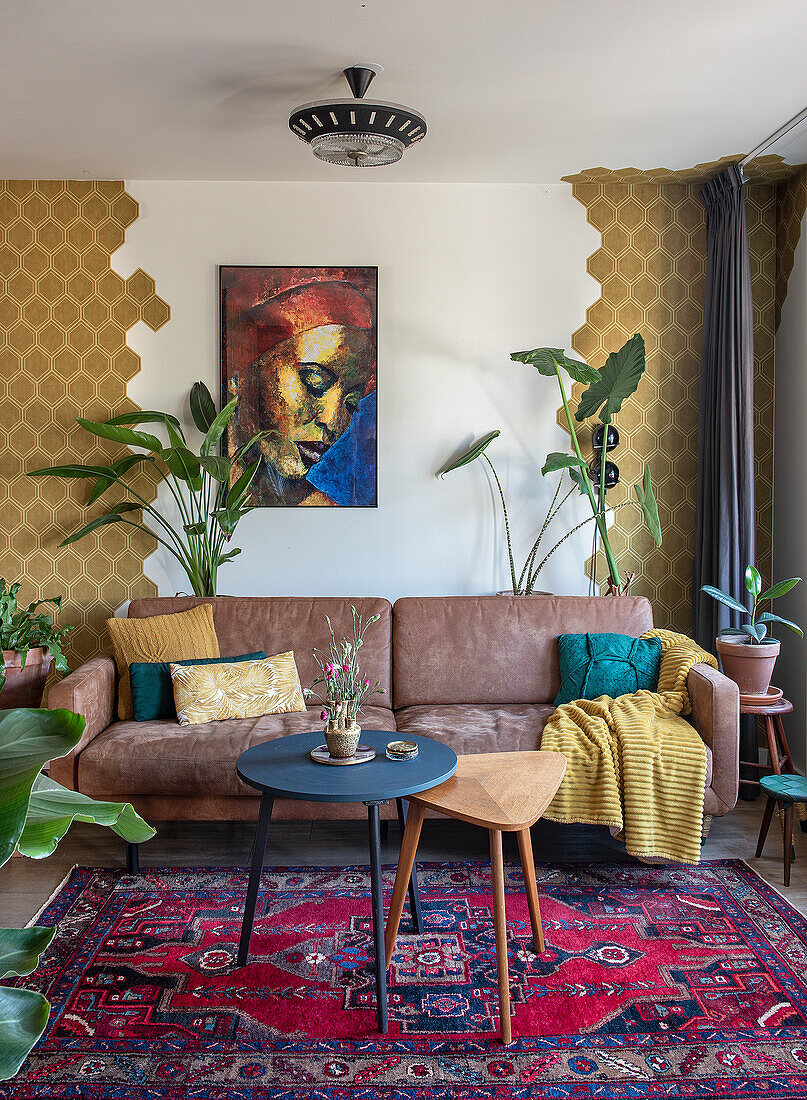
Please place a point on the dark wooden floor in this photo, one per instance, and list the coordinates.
(25, 885)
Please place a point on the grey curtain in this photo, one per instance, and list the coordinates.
(725, 536)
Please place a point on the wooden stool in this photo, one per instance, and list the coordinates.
(778, 750)
(504, 792)
(789, 790)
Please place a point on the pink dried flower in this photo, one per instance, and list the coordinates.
(366, 683)
(346, 667)
(323, 716)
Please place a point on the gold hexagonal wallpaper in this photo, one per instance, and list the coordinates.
(64, 315)
(651, 266)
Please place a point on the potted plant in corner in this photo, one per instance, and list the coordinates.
(35, 813)
(747, 654)
(31, 643)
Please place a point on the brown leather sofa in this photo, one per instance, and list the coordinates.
(478, 672)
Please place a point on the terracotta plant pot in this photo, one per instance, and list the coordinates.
(749, 666)
(24, 686)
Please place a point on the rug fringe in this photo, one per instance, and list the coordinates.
(43, 907)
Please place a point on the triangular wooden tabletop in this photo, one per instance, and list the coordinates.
(498, 790)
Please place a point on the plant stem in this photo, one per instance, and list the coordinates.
(612, 566)
(602, 491)
(566, 536)
(506, 525)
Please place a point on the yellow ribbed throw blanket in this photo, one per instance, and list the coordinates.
(634, 763)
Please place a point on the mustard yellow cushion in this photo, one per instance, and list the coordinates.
(211, 693)
(177, 637)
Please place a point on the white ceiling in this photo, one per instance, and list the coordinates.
(513, 91)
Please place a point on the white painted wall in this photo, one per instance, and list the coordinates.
(467, 273)
(790, 504)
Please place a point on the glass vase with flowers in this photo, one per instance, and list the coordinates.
(344, 688)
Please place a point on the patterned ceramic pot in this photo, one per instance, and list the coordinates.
(342, 738)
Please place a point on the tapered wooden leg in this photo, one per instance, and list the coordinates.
(500, 927)
(773, 745)
(406, 861)
(414, 889)
(788, 841)
(531, 888)
(780, 732)
(767, 817)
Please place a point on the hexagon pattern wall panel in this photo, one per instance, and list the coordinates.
(791, 202)
(64, 314)
(651, 266)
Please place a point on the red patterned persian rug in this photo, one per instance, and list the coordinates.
(656, 982)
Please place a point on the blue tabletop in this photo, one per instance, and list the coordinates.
(283, 768)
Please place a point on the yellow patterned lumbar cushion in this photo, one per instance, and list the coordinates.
(211, 693)
(178, 637)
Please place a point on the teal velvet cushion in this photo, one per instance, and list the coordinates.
(153, 691)
(606, 664)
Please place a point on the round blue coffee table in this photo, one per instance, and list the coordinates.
(283, 769)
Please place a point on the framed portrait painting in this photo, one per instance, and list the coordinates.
(298, 349)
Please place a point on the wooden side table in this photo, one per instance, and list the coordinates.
(778, 750)
(503, 792)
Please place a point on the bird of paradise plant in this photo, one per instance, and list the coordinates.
(209, 492)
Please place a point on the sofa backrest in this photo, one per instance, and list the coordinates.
(496, 649)
(277, 624)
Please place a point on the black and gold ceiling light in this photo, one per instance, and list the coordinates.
(358, 132)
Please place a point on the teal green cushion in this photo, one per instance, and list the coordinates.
(786, 788)
(606, 664)
(152, 690)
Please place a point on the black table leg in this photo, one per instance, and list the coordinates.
(378, 917)
(132, 859)
(414, 889)
(258, 851)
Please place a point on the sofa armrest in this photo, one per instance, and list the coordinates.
(89, 691)
(716, 716)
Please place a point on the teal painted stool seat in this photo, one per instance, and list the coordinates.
(787, 789)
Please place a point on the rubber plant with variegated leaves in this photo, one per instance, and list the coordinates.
(35, 813)
(210, 491)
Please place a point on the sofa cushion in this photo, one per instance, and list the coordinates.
(176, 636)
(471, 728)
(163, 758)
(496, 649)
(153, 690)
(592, 665)
(276, 624)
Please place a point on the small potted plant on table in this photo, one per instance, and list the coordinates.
(31, 643)
(346, 689)
(747, 654)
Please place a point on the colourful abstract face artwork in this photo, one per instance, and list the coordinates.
(299, 352)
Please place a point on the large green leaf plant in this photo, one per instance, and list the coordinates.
(35, 813)
(209, 491)
(25, 628)
(606, 391)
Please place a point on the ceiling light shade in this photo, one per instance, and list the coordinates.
(358, 132)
